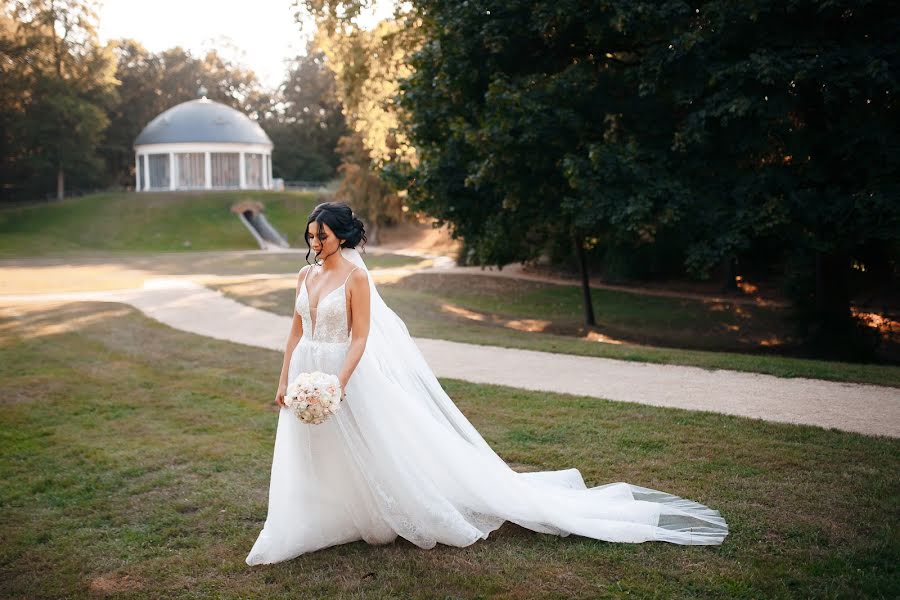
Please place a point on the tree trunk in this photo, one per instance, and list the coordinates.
(60, 184)
(729, 265)
(832, 287)
(585, 281)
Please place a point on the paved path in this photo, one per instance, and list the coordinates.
(868, 409)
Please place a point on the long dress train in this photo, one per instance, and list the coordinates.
(389, 463)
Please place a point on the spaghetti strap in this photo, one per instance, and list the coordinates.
(349, 274)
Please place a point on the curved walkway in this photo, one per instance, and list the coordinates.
(861, 408)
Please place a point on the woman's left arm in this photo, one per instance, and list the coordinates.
(359, 324)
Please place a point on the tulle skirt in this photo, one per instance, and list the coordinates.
(384, 466)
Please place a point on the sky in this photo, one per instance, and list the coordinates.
(259, 34)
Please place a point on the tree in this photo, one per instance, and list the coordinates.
(369, 194)
(367, 67)
(788, 127)
(726, 126)
(139, 73)
(306, 121)
(14, 48)
(65, 81)
(529, 127)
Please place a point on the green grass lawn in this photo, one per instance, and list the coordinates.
(135, 464)
(146, 222)
(496, 311)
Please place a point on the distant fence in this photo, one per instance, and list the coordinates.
(11, 195)
(306, 186)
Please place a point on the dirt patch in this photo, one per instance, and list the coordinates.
(39, 279)
(420, 236)
(116, 583)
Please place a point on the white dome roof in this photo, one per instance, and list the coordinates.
(202, 120)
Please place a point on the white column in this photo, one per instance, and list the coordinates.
(207, 168)
(171, 170)
(137, 172)
(146, 171)
(243, 170)
(269, 171)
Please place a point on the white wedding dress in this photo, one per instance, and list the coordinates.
(399, 459)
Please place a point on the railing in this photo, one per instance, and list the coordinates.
(305, 186)
(12, 195)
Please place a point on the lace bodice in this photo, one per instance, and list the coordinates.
(330, 321)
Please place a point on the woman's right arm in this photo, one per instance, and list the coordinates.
(293, 338)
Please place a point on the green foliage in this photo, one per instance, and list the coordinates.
(68, 103)
(789, 126)
(367, 64)
(58, 80)
(308, 122)
(528, 131)
(725, 126)
(801, 122)
(371, 197)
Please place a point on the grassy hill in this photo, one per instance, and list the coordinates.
(153, 222)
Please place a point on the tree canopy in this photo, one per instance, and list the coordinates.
(709, 131)
(57, 82)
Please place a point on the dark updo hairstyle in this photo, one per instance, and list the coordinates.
(340, 218)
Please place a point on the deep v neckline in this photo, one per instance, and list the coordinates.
(319, 303)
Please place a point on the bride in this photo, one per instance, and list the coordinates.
(399, 458)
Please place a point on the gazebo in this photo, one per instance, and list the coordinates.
(202, 144)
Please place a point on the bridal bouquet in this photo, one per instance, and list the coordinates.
(313, 397)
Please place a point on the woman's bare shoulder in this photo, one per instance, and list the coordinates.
(301, 275)
(357, 275)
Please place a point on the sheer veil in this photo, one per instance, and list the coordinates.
(613, 511)
(392, 348)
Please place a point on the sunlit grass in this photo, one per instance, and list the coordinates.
(146, 222)
(512, 313)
